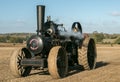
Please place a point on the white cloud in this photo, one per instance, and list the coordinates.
(115, 13)
(19, 21)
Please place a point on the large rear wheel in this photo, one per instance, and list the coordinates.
(58, 62)
(87, 54)
(15, 62)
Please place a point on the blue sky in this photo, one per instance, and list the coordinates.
(94, 15)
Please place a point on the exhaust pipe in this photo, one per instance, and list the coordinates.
(40, 18)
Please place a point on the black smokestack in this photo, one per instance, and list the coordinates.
(40, 18)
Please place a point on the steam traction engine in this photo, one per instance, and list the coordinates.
(54, 48)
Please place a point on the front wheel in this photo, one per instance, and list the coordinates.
(15, 62)
(57, 62)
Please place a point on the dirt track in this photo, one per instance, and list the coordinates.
(107, 69)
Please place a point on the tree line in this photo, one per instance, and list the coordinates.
(99, 37)
(21, 37)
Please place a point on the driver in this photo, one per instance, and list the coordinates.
(75, 29)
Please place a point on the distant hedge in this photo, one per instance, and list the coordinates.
(117, 41)
(9, 39)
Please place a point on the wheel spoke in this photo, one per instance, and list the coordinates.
(22, 70)
(19, 67)
(23, 54)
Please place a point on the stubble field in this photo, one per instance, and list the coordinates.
(107, 68)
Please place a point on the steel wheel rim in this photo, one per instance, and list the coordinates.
(61, 62)
(91, 54)
(21, 55)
